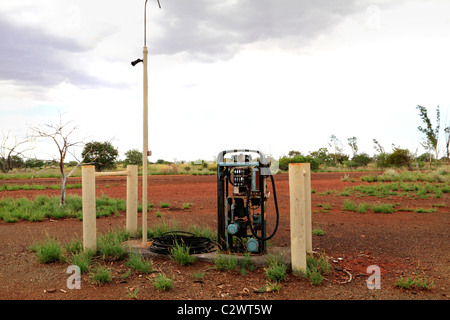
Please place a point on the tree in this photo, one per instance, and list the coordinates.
(133, 156)
(336, 144)
(322, 156)
(11, 150)
(431, 134)
(399, 158)
(352, 142)
(61, 134)
(381, 156)
(101, 154)
(447, 142)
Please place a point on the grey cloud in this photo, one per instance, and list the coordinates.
(32, 57)
(215, 29)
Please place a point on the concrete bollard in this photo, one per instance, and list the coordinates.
(300, 214)
(132, 198)
(89, 211)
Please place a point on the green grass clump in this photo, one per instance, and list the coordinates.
(137, 262)
(162, 282)
(349, 206)
(50, 250)
(316, 268)
(383, 208)
(276, 270)
(82, 259)
(318, 232)
(180, 254)
(164, 205)
(41, 207)
(410, 283)
(110, 246)
(74, 246)
(100, 275)
(186, 205)
(225, 262)
(363, 207)
(230, 263)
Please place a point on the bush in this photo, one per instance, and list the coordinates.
(399, 158)
(49, 251)
(100, 275)
(162, 282)
(361, 160)
(284, 162)
(276, 269)
(138, 263)
(180, 254)
(102, 154)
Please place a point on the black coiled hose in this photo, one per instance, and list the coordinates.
(277, 213)
(168, 240)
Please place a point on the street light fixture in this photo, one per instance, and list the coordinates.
(145, 152)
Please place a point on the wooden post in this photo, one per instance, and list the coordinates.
(300, 214)
(89, 212)
(132, 197)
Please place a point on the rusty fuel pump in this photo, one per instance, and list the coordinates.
(242, 201)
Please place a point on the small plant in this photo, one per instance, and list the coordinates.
(162, 282)
(110, 246)
(318, 232)
(383, 208)
(186, 205)
(49, 251)
(158, 214)
(100, 275)
(180, 254)
(276, 269)
(164, 205)
(270, 287)
(316, 268)
(138, 263)
(199, 275)
(349, 206)
(133, 294)
(83, 260)
(409, 283)
(74, 246)
(363, 207)
(225, 263)
(246, 264)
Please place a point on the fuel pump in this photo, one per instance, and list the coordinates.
(242, 201)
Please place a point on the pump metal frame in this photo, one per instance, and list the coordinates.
(223, 181)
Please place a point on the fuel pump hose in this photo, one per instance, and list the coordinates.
(277, 213)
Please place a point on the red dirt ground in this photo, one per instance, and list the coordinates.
(401, 244)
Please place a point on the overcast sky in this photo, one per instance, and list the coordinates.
(273, 75)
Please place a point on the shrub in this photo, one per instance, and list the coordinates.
(138, 263)
(362, 159)
(276, 269)
(100, 275)
(349, 206)
(383, 208)
(399, 158)
(83, 260)
(180, 254)
(110, 245)
(162, 282)
(283, 162)
(49, 251)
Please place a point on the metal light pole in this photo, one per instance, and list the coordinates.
(145, 152)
